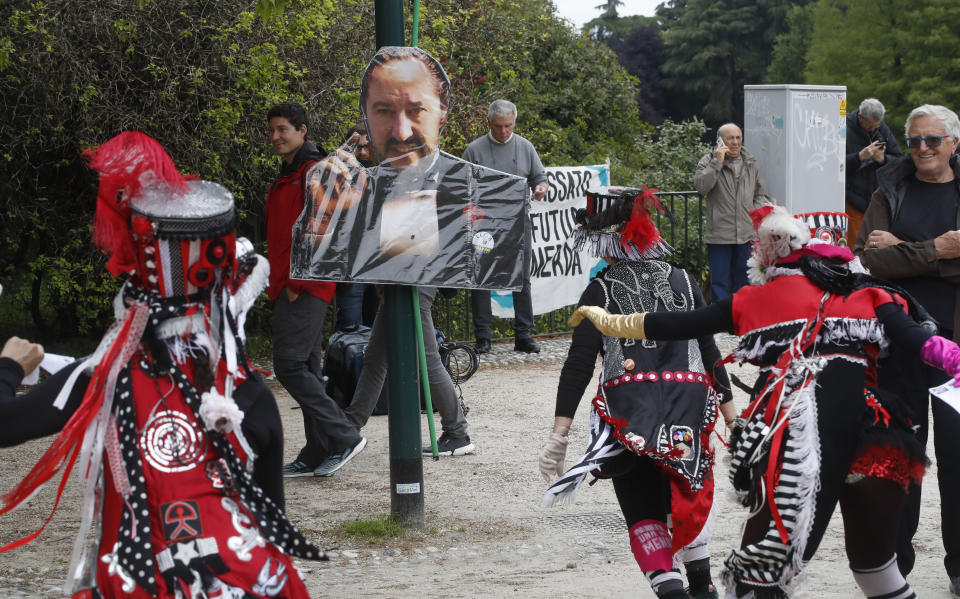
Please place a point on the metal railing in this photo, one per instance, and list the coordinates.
(454, 315)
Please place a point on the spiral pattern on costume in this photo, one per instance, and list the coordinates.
(172, 442)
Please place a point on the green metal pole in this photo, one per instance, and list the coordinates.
(406, 461)
(424, 375)
(415, 29)
(403, 405)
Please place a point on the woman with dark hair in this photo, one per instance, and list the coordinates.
(817, 431)
(656, 404)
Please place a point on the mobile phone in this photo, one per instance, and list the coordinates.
(720, 143)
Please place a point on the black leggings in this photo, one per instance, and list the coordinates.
(643, 491)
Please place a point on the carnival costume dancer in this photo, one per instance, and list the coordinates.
(817, 431)
(655, 407)
(166, 418)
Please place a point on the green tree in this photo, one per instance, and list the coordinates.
(930, 36)
(790, 50)
(603, 26)
(857, 43)
(713, 48)
(609, 7)
(199, 78)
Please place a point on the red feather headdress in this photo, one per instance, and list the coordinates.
(640, 230)
(126, 164)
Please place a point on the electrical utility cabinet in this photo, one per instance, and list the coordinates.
(798, 134)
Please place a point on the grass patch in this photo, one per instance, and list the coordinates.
(373, 530)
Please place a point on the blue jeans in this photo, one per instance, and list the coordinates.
(728, 268)
(357, 304)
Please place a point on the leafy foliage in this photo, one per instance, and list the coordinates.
(639, 47)
(200, 76)
(713, 48)
(790, 50)
(900, 52)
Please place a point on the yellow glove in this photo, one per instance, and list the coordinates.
(611, 325)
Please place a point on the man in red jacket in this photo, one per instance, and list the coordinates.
(300, 306)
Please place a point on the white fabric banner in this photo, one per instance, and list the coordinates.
(558, 274)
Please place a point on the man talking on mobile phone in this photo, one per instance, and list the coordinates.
(729, 179)
(870, 143)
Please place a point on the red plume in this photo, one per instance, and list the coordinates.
(640, 230)
(759, 214)
(125, 163)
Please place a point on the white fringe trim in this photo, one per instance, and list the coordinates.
(249, 291)
(803, 430)
(835, 329)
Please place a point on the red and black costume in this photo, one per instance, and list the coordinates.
(817, 431)
(177, 501)
(656, 404)
(816, 420)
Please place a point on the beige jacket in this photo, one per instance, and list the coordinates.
(729, 200)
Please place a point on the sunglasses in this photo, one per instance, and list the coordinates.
(932, 141)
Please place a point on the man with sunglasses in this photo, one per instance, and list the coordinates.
(910, 235)
(870, 143)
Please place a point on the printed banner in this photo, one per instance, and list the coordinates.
(558, 274)
(442, 223)
(422, 216)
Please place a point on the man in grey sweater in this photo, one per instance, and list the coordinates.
(505, 151)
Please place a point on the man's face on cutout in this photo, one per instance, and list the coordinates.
(403, 112)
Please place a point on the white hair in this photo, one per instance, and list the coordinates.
(947, 118)
(873, 109)
(501, 108)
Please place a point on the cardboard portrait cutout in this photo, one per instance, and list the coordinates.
(421, 216)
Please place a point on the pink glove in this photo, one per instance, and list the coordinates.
(944, 354)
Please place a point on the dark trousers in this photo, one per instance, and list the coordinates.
(728, 268)
(483, 313)
(374, 373)
(298, 364)
(911, 378)
(522, 305)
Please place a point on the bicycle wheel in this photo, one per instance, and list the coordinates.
(462, 361)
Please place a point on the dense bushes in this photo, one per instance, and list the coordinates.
(199, 77)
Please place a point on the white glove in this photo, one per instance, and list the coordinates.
(551, 458)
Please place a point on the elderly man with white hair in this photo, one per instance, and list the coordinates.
(504, 150)
(911, 235)
(729, 179)
(870, 144)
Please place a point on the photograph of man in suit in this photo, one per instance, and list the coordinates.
(421, 216)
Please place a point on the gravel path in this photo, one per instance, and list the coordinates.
(486, 535)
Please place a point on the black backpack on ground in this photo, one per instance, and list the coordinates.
(344, 362)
